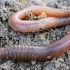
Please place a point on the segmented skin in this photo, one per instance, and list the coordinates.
(55, 17)
(20, 52)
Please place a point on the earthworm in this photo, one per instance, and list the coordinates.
(20, 52)
(59, 17)
(55, 17)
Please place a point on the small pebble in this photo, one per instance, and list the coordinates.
(41, 37)
(33, 62)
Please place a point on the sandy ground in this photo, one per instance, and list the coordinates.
(8, 36)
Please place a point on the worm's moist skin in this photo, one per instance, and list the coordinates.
(20, 52)
(55, 17)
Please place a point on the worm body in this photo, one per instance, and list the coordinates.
(58, 18)
(20, 52)
(55, 17)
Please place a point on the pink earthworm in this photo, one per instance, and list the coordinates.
(21, 52)
(59, 17)
(55, 18)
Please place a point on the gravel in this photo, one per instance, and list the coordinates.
(8, 36)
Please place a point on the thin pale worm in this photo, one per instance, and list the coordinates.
(20, 52)
(52, 20)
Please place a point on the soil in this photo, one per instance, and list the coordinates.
(8, 36)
